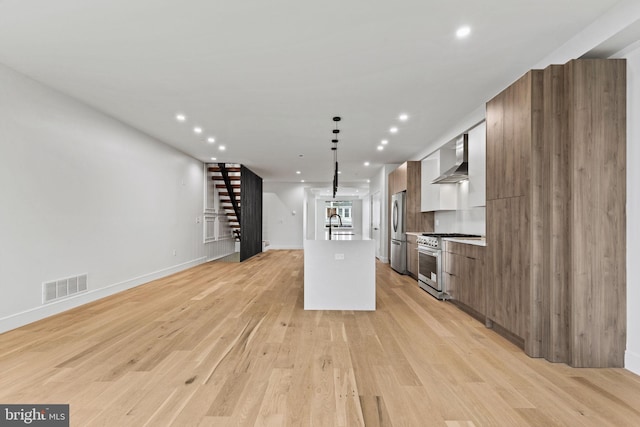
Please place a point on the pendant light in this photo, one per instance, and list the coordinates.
(334, 148)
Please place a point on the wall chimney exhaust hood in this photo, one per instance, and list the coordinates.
(459, 171)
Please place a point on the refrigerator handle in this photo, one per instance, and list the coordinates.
(395, 215)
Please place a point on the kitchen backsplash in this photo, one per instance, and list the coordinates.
(466, 219)
(471, 221)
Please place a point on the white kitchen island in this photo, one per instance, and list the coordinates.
(339, 275)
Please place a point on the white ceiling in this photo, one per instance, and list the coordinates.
(266, 77)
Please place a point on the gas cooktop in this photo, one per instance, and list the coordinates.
(436, 234)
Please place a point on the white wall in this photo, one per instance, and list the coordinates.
(632, 357)
(380, 183)
(281, 227)
(83, 193)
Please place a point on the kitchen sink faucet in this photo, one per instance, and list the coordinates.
(331, 226)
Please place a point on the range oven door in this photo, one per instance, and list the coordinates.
(430, 271)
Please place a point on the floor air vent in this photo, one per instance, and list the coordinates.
(63, 288)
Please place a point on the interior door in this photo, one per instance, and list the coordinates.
(376, 213)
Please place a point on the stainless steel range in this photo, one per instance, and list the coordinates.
(430, 277)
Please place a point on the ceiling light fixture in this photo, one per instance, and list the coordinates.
(298, 172)
(384, 141)
(222, 148)
(380, 148)
(214, 158)
(366, 163)
(211, 140)
(302, 180)
(393, 129)
(197, 130)
(403, 117)
(463, 32)
(181, 117)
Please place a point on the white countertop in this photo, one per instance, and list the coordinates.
(478, 242)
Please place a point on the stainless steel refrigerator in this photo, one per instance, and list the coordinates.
(398, 232)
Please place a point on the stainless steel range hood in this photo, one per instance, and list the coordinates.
(459, 171)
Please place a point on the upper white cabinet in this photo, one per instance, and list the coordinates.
(437, 197)
(477, 165)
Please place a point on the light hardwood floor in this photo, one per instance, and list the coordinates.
(229, 344)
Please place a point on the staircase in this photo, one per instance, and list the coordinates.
(226, 177)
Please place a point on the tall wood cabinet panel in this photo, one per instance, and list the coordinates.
(511, 140)
(413, 171)
(596, 93)
(555, 296)
(556, 212)
(507, 263)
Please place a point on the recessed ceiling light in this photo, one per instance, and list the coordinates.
(384, 141)
(222, 148)
(181, 117)
(339, 172)
(393, 129)
(214, 158)
(463, 32)
(298, 172)
(380, 148)
(197, 129)
(211, 140)
(368, 180)
(302, 180)
(403, 117)
(366, 163)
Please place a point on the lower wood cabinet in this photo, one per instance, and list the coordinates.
(412, 255)
(465, 276)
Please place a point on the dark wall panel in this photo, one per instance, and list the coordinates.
(250, 214)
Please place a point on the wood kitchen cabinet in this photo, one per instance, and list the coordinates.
(464, 275)
(412, 255)
(398, 179)
(406, 177)
(556, 188)
(512, 117)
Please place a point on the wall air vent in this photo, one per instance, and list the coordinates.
(63, 288)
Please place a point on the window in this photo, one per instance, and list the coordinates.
(342, 208)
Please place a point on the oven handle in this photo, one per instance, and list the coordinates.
(429, 252)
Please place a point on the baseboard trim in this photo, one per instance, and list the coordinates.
(41, 312)
(632, 362)
(218, 257)
(282, 247)
(383, 259)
